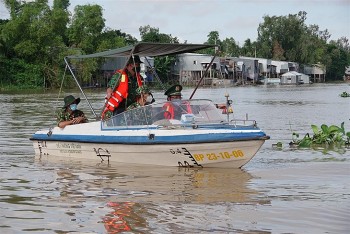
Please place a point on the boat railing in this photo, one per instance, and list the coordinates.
(243, 122)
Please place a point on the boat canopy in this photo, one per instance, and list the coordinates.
(146, 49)
(142, 49)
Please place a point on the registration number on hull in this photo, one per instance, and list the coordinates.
(219, 156)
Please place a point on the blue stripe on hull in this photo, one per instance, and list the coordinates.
(200, 138)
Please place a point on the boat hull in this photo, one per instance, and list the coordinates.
(219, 154)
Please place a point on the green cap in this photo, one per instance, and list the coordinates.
(142, 89)
(174, 91)
(70, 99)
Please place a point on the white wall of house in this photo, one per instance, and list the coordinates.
(281, 66)
(314, 69)
(317, 72)
(194, 62)
(305, 79)
(250, 68)
(191, 66)
(264, 64)
(294, 77)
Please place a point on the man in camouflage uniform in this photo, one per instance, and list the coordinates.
(69, 114)
(142, 94)
(134, 81)
(140, 116)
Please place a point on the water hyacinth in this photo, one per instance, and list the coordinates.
(344, 94)
(326, 137)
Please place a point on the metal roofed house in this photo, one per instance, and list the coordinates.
(317, 72)
(266, 68)
(248, 68)
(284, 66)
(189, 68)
(271, 68)
(294, 77)
(244, 70)
(228, 68)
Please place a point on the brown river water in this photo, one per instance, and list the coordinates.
(279, 191)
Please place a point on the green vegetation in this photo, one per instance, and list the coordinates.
(326, 137)
(36, 38)
(345, 94)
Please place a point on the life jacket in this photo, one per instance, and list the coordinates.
(121, 92)
(169, 106)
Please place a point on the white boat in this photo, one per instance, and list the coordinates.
(201, 136)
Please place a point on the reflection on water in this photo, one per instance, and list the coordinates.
(122, 197)
(279, 191)
(124, 217)
(119, 182)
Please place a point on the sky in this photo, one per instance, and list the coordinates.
(192, 20)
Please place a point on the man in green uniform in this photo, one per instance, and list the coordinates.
(138, 115)
(69, 113)
(134, 80)
(142, 93)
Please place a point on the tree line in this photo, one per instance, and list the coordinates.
(36, 38)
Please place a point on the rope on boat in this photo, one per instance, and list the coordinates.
(64, 75)
(81, 90)
(155, 74)
(204, 74)
(55, 106)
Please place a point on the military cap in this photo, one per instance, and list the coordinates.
(174, 91)
(142, 89)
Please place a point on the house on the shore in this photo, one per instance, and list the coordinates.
(284, 66)
(250, 69)
(266, 68)
(294, 77)
(317, 72)
(190, 67)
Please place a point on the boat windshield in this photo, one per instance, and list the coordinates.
(168, 113)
